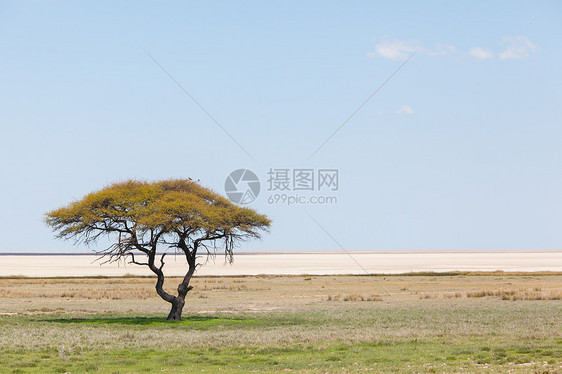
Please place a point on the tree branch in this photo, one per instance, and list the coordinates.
(162, 262)
(136, 263)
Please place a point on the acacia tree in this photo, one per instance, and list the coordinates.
(144, 217)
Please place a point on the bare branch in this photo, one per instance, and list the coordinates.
(135, 262)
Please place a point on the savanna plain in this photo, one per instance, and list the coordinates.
(409, 323)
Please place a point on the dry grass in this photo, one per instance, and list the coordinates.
(302, 309)
(514, 295)
(354, 296)
(462, 314)
(84, 292)
(277, 292)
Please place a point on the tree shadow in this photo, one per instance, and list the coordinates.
(147, 321)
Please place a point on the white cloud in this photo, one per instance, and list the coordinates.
(481, 53)
(401, 49)
(518, 47)
(441, 49)
(405, 109)
(395, 49)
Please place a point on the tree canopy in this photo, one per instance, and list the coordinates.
(144, 216)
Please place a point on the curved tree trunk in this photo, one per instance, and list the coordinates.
(179, 301)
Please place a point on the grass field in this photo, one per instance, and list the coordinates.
(454, 323)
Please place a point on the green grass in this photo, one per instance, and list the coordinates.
(416, 355)
(188, 322)
(193, 322)
(405, 340)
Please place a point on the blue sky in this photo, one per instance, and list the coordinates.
(460, 149)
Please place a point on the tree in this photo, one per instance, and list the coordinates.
(144, 217)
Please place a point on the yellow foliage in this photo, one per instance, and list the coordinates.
(166, 207)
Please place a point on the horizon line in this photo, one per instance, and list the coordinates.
(295, 251)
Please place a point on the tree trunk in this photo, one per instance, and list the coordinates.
(177, 308)
(179, 301)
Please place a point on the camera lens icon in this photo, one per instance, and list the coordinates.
(242, 186)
